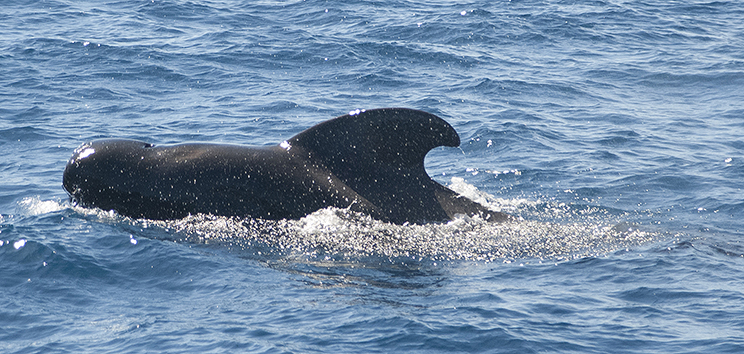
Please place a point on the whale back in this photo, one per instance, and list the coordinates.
(371, 162)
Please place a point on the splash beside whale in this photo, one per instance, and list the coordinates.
(368, 161)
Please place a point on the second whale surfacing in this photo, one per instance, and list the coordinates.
(368, 161)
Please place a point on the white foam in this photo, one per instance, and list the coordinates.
(36, 206)
(343, 233)
(551, 230)
(471, 192)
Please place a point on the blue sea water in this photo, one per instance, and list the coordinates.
(614, 129)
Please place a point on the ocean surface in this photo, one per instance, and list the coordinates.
(613, 129)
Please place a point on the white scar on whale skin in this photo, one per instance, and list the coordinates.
(85, 153)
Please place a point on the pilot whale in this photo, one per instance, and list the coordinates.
(367, 161)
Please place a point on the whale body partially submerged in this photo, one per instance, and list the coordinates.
(368, 161)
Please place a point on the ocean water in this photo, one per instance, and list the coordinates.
(613, 129)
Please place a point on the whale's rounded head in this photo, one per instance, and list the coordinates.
(95, 167)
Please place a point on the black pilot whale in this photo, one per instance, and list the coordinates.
(368, 161)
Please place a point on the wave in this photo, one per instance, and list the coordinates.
(548, 231)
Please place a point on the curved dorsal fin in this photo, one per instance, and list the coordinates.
(379, 154)
(397, 138)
